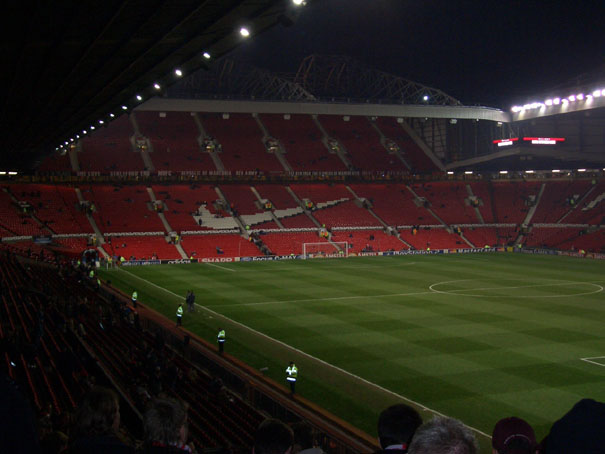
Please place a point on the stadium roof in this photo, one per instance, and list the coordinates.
(68, 65)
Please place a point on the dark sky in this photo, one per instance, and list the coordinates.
(487, 52)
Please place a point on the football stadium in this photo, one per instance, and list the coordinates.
(199, 252)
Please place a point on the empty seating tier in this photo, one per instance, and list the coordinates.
(302, 142)
(111, 149)
(174, 141)
(242, 142)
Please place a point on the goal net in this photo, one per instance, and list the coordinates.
(325, 249)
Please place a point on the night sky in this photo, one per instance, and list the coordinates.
(493, 53)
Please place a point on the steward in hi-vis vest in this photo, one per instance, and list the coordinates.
(291, 376)
(221, 338)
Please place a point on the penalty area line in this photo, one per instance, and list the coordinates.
(307, 355)
(221, 267)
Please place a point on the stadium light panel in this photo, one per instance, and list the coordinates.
(503, 172)
(529, 171)
(157, 86)
(450, 172)
(206, 55)
(468, 172)
(556, 171)
(244, 32)
(12, 173)
(581, 170)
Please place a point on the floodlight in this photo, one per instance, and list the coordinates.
(66, 142)
(503, 172)
(548, 102)
(468, 172)
(580, 97)
(111, 115)
(556, 101)
(206, 55)
(101, 122)
(157, 86)
(529, 171)
(450, 172)
(556, 171)
(244, 32)
(84, 131)
(71, 139)
(178, 72)
(139, 98)
(565, 101)
(516, 109)
(124, 108)
(77, 136)
(92, 128)
(298, 2)
(572, 98)
(12, 173)
(425, 98)
(581, 170)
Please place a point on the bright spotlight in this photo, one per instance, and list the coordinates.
(92, 128)
(299, 2)
(581, 170)
(178, 72)
(111, 115)
(503, 172)
(124, 108)
(157, 86)
(450, 172)
(425, 98)
(580, 97)
(556, 171)
(556, 101)
(468, 172)
(572, 98)
(529, 171)
(244, 32)
(101, 122)
(139, 98)
(206, 55)
(516, 109)
(548, 102)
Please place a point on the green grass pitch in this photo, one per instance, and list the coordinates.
(477, 337)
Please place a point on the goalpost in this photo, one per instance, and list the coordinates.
(325, 249)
